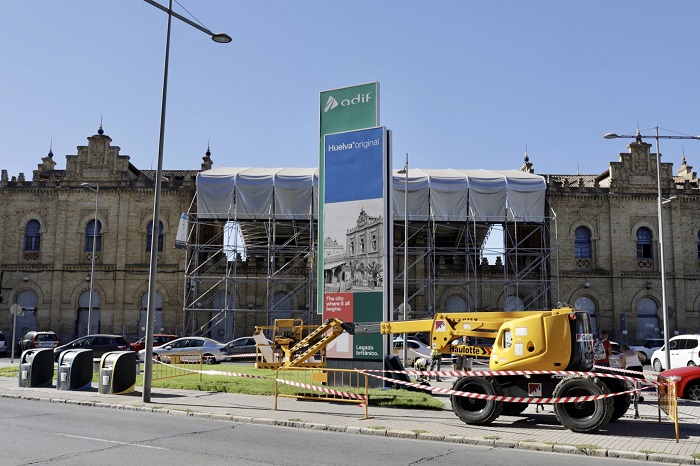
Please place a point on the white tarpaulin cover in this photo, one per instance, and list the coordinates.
(441, 195)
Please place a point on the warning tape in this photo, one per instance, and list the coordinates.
(242, 355)
(486, 373)
(325, 390)
(505, 399)
(287, 382)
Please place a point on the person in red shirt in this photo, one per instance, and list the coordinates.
(608, 350)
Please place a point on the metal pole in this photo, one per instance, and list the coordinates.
(94, 252)
(150, 312)
(405, 256)
(92, 269)
(664, 308)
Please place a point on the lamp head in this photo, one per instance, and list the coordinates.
(221, 38)
(611, 136)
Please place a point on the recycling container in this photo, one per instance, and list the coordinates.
(74, 370)
(36, 368)
(117, 373)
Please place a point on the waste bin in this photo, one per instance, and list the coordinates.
(74, 370)
(36, 368)
(117, 373)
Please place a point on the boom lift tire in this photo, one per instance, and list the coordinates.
(586, 416)
(473, 410)
(621, 403)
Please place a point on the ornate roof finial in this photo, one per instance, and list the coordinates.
(638, 137)
(100, 131)
(51, 149)
(527, 159)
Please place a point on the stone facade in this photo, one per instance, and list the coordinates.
(610, 271)
(621, 280)
(50, 277)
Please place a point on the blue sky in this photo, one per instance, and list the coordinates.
(463, 84)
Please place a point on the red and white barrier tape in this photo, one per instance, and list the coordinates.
(325, 390)
(488, 373)
(505, 399)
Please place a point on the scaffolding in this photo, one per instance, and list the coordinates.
(248, 266)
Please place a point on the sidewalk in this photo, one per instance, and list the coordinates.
(643, 439)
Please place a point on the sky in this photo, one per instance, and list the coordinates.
(463, 84)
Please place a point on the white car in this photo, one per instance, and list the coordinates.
(213, 352)
(684, 351)
(648, 346)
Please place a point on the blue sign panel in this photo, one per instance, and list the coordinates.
(354, 165)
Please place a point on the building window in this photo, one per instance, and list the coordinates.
(362, 245)
(374, 242)
(645, 251)
(582, 245)
(149, 237)
(92, 233)
(32, 237)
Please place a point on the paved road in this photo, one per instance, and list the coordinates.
(63, 434)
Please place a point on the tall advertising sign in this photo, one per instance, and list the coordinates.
(356, 226)
(344, 109)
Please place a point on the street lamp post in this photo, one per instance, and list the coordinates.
(95, 188)
(660, 201)
(153, 266)
(405, 254)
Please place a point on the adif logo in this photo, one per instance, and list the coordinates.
(331, 103)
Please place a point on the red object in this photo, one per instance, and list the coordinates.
(688, 385)
(159, 339)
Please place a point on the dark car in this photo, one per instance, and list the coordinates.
(687, 381)
(159, 339)
(37, 339)
(242, 348)
(98, 343)
(3, 344)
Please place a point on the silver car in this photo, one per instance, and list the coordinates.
(213, 352)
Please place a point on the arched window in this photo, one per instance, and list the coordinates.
(92, 233)
(513, 303)
(149, 236)
(644, 246)
(32, 237)
(582, 246)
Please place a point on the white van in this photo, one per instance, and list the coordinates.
(684, 351)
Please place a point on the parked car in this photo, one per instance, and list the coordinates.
(688, 383)
(99, 343)
(159, 339)
(648, 347)
(36, 339)
(213, 352)
(242, 348)
(684, 351)
(3, 344)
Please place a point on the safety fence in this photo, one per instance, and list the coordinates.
(330, 385)
(178, 365)
(668, 400)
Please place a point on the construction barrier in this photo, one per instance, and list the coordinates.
(348, 385)
(668, 400)
(168, 366)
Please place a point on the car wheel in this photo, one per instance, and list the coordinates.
(692, 391)
(209, 359)
(692, 363)
(657, 365)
